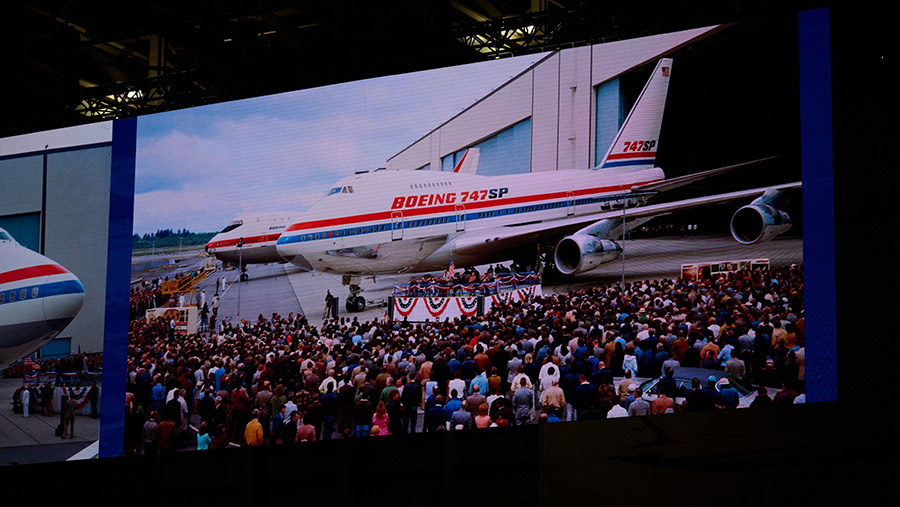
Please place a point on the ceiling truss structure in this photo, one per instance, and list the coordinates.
(77, 62)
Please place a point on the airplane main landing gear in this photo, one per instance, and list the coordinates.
(244, 276)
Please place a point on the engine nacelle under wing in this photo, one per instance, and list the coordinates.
(760, 220)
(580, 253)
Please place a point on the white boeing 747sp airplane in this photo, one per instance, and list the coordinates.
(250, 239)
(391, 221)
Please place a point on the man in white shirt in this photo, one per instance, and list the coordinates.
(290, 407)
(323, 387)
(549, 374)
(644, 333)
(459, 385)
(616, 411)
(714, 327)
(517, 382)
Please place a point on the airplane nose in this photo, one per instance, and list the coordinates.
(61, 307)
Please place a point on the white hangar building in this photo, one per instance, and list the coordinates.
(55, 199)
(560, 113)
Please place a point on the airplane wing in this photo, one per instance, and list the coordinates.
(670, 183)
(608, 223)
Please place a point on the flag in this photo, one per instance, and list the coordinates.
(450, 270)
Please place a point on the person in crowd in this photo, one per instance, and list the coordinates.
(204, 439)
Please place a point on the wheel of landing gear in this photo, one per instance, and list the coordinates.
(355, 304)
(244, 277)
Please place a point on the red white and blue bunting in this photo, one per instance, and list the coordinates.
(432, 308)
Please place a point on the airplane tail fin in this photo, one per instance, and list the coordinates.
(636, 143)
(468, 163)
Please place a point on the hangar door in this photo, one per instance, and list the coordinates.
(25, 228)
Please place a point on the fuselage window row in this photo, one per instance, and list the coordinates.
(409, 224)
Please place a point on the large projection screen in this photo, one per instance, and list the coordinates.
(375, 183)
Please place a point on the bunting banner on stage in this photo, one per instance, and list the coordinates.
(433, 308)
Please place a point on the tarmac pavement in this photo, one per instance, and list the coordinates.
(32, 439)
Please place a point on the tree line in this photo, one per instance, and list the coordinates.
(165, 238)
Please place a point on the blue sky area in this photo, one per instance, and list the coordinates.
(200, 168)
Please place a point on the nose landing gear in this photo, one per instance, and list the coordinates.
(355, 301)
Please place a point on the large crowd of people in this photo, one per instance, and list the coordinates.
(278, 380)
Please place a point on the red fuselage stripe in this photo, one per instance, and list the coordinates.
(636, 154)
(31, 272)
(250, 239)
(470, 205)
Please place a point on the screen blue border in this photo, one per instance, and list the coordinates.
(816, 155)
(118, 281)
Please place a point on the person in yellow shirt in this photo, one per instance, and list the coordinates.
(253, 433)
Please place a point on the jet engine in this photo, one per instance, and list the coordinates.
(580, 253)
(760, 220)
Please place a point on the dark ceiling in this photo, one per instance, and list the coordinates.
(69, 62)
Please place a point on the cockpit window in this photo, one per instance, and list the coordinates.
(340, 190)
(4, 236)
(234, 225)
